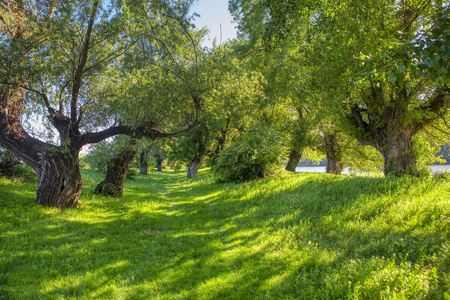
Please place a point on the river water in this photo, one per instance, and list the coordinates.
(434, 169)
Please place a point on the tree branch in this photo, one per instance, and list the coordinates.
(440, 99)
(81, 65)
(140, 132)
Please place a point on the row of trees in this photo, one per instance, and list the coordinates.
(91, 70)
(364, 82)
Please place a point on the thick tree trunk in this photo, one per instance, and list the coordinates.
(397, 151)
(195, 166)
(115, 175)
(159, 162)
(294, 159)
(334, 154)
(143, 168)
(60, 181)
(143, 165)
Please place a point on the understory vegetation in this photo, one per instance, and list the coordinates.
(293, 236)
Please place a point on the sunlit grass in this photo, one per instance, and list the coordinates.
(295, 236)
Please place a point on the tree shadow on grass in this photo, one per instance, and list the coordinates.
(197, 240)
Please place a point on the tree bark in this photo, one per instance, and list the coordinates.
(115, 175)
(334, 154)
(391, 138)
(143, 165)
(200, 136)
(294, 159)
(298, 142)
(221, 139)
(143, 168)
(397, 150)
(57, 167)
(60, 181)
(195, 165)
(159, 161)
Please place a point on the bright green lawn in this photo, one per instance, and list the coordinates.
(296, 236)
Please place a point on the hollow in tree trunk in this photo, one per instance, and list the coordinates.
(334, 154)
(115, 174)
(60, 181)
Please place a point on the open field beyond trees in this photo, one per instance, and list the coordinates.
(294, 236)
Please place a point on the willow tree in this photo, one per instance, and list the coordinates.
(381, 64)
(285, 76)
(58, 59)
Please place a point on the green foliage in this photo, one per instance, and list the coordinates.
(13, 168)
(100, 156)
(8, 162)
(445, 176)
(377, 67)
(187, 148)
(295, 236)
(132, 173)
(257, 154)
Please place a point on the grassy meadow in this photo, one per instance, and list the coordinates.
(294, 236)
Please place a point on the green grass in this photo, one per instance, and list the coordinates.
(295, 236)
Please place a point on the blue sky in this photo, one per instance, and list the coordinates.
(214, 13)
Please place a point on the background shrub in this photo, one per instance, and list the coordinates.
(257, 154)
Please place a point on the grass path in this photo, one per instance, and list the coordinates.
(297, 236)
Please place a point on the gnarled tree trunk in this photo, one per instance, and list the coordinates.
(115, 174)
(60, 180)
(334, 154)
(397, 150)
(390, 127)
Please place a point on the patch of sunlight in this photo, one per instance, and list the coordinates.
(209, 196)
(274, 281)
(62, 236)
(289, 217)
(221, 283)
(98, 241)
(98, 282)
(245, 233)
